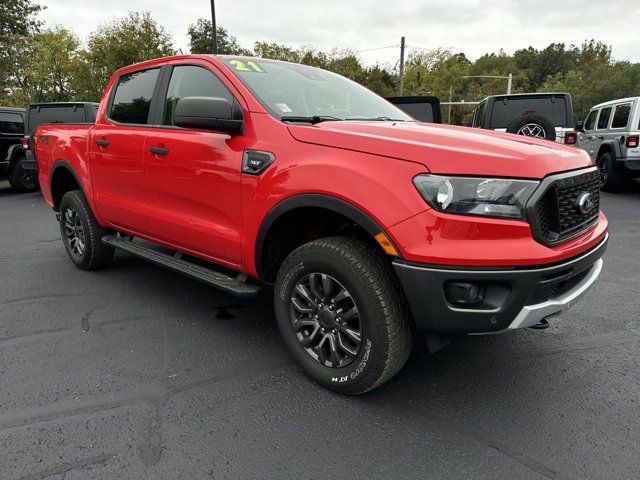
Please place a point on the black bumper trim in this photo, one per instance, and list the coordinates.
(508, 291)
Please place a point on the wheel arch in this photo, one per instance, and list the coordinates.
(13, 154)
(290, 208)
(62, 179)
(611, 146)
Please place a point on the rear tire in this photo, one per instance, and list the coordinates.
(610, 179)
(356, 277)
(533, 126)
(21, 180)
(81, 233)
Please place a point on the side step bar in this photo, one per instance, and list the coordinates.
(234, 286)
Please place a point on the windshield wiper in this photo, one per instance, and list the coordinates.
(313, 120)
(375, 119)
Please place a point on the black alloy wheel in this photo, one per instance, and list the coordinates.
(326, 320)
(74, 232)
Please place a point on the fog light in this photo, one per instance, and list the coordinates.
(463, 294)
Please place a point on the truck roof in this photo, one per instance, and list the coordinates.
(13, 109)
(619, 100)
(534, 94)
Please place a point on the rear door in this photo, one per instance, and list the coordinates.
(116, 154)
(195, 183)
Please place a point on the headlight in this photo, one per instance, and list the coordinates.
(492, 197)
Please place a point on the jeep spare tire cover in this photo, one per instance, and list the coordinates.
(533, 126)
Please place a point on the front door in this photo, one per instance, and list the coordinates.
(116, 153)
(586, 139)
(194, 176)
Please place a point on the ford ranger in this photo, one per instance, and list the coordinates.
(374, 229)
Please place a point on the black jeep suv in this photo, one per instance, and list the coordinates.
(12, 155)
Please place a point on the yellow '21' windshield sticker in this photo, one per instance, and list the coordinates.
(246, 67)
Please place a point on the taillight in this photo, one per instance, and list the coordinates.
(25, 143)
(632, 141)
(570, 138)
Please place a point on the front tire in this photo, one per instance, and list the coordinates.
(21, 180)
(343, 315)
(81, 233)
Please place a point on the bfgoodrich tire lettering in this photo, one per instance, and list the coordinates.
(386, 329)
(81, 233)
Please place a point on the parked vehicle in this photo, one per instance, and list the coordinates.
(422, 108)
(369, 225)
(540, 115)
(55, 112)
(611, 135)
(12, 158)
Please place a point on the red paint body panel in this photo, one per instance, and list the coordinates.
(196, 200)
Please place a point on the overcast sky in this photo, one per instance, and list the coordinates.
(470, 26)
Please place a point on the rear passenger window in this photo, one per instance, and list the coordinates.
(590, 122)
(603, 121)
(11, 123)
(621, 116)
(191, 81)
(132, 101)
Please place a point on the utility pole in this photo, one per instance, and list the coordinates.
(450, 100)
(401, 65)
(215, 28)
(509, 83)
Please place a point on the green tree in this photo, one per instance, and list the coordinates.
(118, 43)
(17, 20)
(51, 65)
(201, 39)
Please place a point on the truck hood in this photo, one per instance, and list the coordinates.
(445, 149)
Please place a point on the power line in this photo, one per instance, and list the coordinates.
(377, 48)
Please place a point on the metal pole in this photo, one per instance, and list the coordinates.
(450, 98)
(401, 65)
(215, 28)
(509, 83)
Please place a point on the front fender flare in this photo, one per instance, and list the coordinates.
(310, 200)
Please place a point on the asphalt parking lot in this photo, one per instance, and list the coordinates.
(136, 372)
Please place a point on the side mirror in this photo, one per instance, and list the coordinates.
(209, 113)
(579, 126)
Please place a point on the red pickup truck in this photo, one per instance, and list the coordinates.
(372, 227)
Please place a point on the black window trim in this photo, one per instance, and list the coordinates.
(154, 98)
(614, 114)
(158, 113)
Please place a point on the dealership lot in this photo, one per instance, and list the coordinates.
(137, 372)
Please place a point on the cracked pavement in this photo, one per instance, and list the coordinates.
(136, 372)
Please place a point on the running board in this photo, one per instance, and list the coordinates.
(234, 286)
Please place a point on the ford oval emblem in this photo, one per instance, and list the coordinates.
(585, 203)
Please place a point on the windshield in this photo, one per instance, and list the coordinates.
(292, 90)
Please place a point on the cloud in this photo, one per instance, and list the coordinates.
(474, 27)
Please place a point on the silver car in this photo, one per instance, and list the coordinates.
(611, 134)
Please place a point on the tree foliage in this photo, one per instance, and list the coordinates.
(17, 20)
(54, 65)
(201, 39)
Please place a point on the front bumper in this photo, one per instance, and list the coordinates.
(512, 297)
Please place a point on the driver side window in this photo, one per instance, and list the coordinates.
(191, 81)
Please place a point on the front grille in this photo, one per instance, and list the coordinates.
(558, 215)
